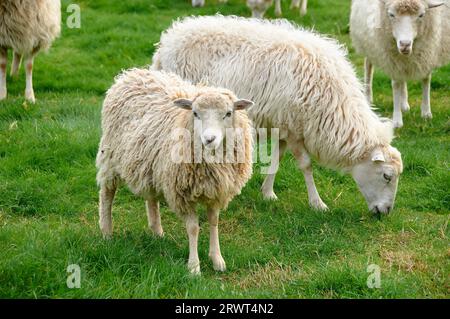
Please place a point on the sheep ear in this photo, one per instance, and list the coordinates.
(433, 4)
(183, 103)
(378, 157)
(242, 105)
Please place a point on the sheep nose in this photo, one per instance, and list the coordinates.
(405, 44)
(210, 139)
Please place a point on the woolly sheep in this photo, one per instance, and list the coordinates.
(26, 27)
(301, 83)
(141, 112)
(407, 39)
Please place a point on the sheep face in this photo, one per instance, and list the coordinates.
(212, 115)
(259, 7)
(198, 3)
(406, 18)
(377, 178)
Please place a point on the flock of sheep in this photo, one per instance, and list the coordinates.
(215, 74)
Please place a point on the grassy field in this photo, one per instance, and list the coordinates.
(48, 194)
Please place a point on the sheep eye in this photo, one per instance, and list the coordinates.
(391, 15)
(421, 15)
(387, 177)
(228, 114)
(195, 114)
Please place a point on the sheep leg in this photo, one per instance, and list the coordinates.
(368, 79)
(154, 217)
(295, 4)
(106, 199)
(15, 64)
(304, 7)
(400, 92)
(426, 104)
(214, 246)
(3, 63)
(29, 92)
(278, 11)
(267, 186)
(193, 229)
(304, 162)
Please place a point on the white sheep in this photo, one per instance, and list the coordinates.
(201, 3)
(26, 27)
(140, 146)
(259, 7)
(301, 83)
(407, 39)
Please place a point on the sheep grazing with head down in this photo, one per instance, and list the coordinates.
(301, 83)
(26, 27)
(142, 116)
(407, 39)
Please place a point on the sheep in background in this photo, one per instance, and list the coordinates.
(140, 116)
(407, 39)
(259, 7)
(201, 3)
(26, 27)
(301, 83)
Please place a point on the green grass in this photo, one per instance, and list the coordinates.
(48, 195)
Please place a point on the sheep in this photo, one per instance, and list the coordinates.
(201, 3)
(406, 39)
(301, 83)
(26, 27)
(141, 111)
(259, 7)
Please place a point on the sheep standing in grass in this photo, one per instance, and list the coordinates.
(301, 83)
(407, 39)
(141, 115)
(26, 27)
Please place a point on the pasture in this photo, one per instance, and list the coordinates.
(282, 249)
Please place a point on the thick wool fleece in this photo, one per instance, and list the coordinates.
(29, 26)
(138, 120)
(300, 81)
(375, 40)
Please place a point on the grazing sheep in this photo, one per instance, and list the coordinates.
(259, 7)
(301, 83)
(407, 39)
(141, 115)
(26, 27)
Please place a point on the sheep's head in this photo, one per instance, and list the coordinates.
(213, 113)
(406, 18)
(259, 7)
(377, 178)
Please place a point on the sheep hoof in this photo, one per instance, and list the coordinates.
(218, 263)
(270, 195)
(397, 123)
(158, 231)
(2, 94)
(427, 115)
(278, 13)
(319, 205)
(29, 96)
(107, 236)
(194, 268)
(405, 107)
(302, 13)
